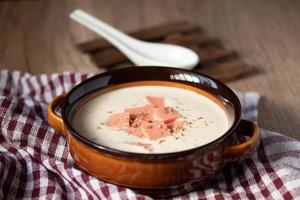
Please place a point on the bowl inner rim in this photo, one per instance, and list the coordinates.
(220, 101)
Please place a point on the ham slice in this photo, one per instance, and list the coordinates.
(144, 145)
(156, 101)
(145, 112)
(155, 130)
(175, 126)
(136, 131)
(151, 121)
(135, 128)
(119, 120)
(152, 130)
(166, 114)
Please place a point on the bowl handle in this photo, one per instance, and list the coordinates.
(53, 119)
(244, 149)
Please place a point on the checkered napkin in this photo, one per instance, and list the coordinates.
(35, 162)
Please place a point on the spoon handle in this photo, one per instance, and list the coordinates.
(139, 52)
(111, 34)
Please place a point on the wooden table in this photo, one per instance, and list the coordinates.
(38, 37)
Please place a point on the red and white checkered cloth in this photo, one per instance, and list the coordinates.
(35, 162)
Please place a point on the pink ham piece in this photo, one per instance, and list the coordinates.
(144, 145)
(151, 130)
(156, 101)
(153, 121)
(135, 128)
(155, 130)
(175, 126)
(166, 114)
(145, 112)
(136, 131)
(119, 120)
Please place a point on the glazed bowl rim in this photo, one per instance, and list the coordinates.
(146, 156)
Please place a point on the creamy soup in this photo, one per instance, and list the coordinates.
(203, 120)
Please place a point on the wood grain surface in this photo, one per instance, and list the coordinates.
(38, 37)
(215, 60)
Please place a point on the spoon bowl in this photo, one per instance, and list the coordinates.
(141, 53)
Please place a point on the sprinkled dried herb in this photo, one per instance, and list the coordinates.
(161, 141)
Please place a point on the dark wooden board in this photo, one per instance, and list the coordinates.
(215, 60)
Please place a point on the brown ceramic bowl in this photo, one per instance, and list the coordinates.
(159, 175)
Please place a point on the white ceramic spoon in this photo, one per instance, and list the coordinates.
(139, 52)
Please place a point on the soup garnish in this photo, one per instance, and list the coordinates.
(153, 121)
